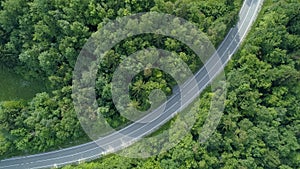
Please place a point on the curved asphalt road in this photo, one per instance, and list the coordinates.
(116, 141)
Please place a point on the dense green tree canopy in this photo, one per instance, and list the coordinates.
(260, 126)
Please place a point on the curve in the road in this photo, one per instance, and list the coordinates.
(91, 150)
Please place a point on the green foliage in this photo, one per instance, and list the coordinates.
(260, 126)
(42, 39)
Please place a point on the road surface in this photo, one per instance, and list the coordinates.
(91, 150)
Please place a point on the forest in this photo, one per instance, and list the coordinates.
(260, 127)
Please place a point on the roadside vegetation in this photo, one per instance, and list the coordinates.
(260, 126)
(42, 39)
